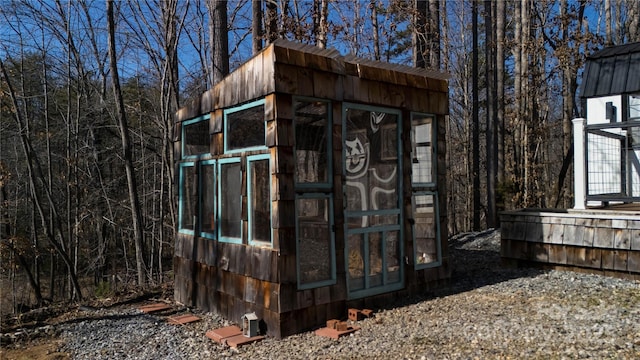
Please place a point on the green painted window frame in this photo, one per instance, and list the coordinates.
(236, 109)
(433, 143)
(333, 279)
(323, 185)
(221, 193)
(393, 286)
(213, 164)
(436, 210)
(183, 135)
(181, 197)
(250, 195)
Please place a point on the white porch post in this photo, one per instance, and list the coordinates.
(579, 178)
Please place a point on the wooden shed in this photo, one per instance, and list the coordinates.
(308, 183)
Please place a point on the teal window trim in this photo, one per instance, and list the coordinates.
(356, 294)
(212, 163)
(436, 210)
(183, 135)
(222, 238)
(434, 147)
(181, 195)
(226, 127)
(329, 183)
(333, 279)
(387, 286)
(250, 195)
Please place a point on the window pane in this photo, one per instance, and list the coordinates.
(392, 246)
(230, 200)
(425, 229)
(422, 151)
(196, 138)
(187, 197)
(314, 240)
(260, 201)
(207, 198)
(311, 133)
(356, 261)
(245, 128)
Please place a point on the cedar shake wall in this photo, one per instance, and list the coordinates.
(598, 241)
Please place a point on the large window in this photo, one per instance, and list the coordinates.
(314, 205)
(196, 139)
(422, 141)
(188, 200)
(245, 127)
(230, 200)
(259, 198)
(314, 236)
(312, 143)
(207, 199)
(424, 199)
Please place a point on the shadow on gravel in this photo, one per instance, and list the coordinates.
(475, 262)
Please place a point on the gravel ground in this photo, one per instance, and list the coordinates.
(486, 312)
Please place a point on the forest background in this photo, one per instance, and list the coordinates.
(89, 89)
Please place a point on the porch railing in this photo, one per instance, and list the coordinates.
(606, 158)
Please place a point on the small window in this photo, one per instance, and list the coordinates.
(207, 199)
(422, 150)
(245, 127)
(230, 200)
(312, 143)
(196, 139)
(425, 230)
(259, 194)
(187, 198)
(315, 241)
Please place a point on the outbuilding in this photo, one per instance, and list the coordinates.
(309, 183)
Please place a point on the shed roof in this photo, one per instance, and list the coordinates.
(275, 69)
(611, 71)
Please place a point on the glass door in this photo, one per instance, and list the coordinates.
(373, 171)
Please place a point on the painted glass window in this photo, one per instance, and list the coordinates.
(195, 137)
(259, 194)
(188, 200)
(422, 154)
(311, 127)
(316, 252)
(245, 127)
(207, 198)
(230, 200)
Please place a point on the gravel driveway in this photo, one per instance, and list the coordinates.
(487, 313)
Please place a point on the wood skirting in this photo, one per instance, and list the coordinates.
(598, 241)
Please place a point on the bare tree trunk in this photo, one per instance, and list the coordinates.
(475, 131)
(272, 21)
(607, 19)
(500, 44)
(434, 34)
(220, 45)
(419, 34)
(256, 26)
(374, 26)
(491, 130)
(121, 118)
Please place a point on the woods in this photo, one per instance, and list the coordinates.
(89, 90)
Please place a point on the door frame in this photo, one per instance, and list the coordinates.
(384, 229)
